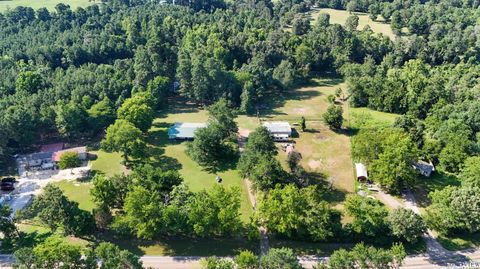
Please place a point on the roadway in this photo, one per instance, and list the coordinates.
(460, 258)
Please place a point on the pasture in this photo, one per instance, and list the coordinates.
(49, 4)
(340, 17)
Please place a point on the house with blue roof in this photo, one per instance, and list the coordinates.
(184, 130)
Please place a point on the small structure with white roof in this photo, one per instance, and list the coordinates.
(184, 130)
(361, 170)
(280, 130)
(424, 168)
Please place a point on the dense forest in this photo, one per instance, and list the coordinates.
(104, 70)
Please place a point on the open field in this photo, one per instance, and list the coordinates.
(340, 17)
(50, 4)
(78, 192)
(108, 163)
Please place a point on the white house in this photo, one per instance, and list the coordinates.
(280, 130)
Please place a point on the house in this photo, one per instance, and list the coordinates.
(37, 159)
(280, 130)
(184, 130)
(424, 168)
(81, 151)
(361, 170)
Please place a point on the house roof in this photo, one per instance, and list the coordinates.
(361, 170)
(278, 127)
(41, 155)
(426, 168)
(51, 147)
(57, 155)
(185, 129)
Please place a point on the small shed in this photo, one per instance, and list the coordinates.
(184, 130)
(280, 130)
(361, 170)
(81, 151)
(424, 168)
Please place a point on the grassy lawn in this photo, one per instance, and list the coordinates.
(107, 163)
(50, 4)
(340, 17)
(459, 242)
(78, 192)
(362, 117)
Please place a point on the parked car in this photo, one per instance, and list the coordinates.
(7, 184)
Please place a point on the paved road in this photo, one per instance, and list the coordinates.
(193, 262)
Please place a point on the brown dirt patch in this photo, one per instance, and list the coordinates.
(315, 164)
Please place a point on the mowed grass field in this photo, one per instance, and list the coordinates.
(340, 17)
(49, 4)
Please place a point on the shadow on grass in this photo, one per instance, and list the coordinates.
(438, 181)
(182, 246)
(460, 241)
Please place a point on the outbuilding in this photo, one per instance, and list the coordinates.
(361, 170)
(184, 130)
(424, 168)
(280, 130)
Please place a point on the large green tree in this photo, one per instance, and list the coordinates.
(137, 110)
(124, 137)
(406, 224)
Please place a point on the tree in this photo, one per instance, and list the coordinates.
(393, 167)
(286, 74)
(454, 209)
(333, 117)
(155, 179)
(280, 258)
(368, 215)
(293, 159)
(110, 191)
(362, 256)
(216, 263)
(217, 142)
(405, 224)
(352, 23)
(159, 87)
(300, 25)
(143, 212)
(221, 115)
(260, 149)
(101, 115)
(54, 252)
(112, 257)
(209, 149)
(69, 160)
(216, 212)
(124, 137)
(470, 174)
(137, 111)
(71, 119)
(246, 260)
(7, 224)
(29, 82)
(290, 211)
(54, 210)
(302, 124)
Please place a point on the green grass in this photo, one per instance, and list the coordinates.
(107, 163)
(50, 4)
(78, 192)
(459, 242)
(171, 155)
(362, 117)
(340, 17)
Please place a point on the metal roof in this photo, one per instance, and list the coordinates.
(278, 127)
(361, 170)
(184, 129)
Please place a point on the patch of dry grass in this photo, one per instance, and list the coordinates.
(340, 17)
